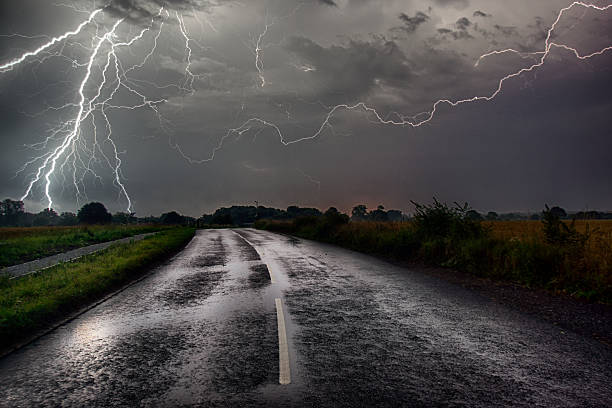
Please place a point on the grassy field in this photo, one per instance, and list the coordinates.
(18, 245)
(30, 303)
(516, 251)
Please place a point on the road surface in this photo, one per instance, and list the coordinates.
(251, 318)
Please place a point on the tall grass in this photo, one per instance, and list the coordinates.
(19, 245)
(516, 251)
(29, 303)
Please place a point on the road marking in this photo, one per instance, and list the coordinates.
(272, 280)
(284, 376)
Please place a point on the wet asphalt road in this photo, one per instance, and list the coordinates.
(202, 330)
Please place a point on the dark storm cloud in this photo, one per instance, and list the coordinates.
(352, 69)
(544, 139)
(479, 13)
(461, 30)
(463, 23)
(506, 30)
(412, 23)
(139, 10)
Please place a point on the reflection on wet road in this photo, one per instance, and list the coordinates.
(203, 330)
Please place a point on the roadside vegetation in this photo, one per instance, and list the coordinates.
(574, 258)
(23, 244)
(31, 303)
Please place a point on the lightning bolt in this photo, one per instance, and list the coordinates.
(70, 135)
(417, 120)
(73, 148)
(258, 50)
(11, 64)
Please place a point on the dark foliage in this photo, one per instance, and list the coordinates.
(438, 220)
(94, 213)
(172, 218)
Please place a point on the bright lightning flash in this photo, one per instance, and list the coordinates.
(422, 118)
(74, 146)
(77, 143)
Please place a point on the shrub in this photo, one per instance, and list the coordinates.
(438, 220)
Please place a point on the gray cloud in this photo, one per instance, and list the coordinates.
(139, 10)
(351, 70)
(412, 23)
(479, 13)
(459, 4)
(463, 23)
(544, 139)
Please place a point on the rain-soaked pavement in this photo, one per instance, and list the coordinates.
(202, 330)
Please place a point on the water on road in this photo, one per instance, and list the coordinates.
(205, 330)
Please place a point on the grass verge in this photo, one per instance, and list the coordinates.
(18, 245)
(570, 262)
(34, 302)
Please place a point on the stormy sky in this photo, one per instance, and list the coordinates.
(272, 70)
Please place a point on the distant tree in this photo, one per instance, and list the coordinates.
(359, 212)
(68, 218)
(124, 218)
(172, 218)
(334, 217)
(223, 219)
(379, 214)
(588, 215)
(534, 217)
(46, 217)
(94, 213)
(473, 215)
(558, 212)
(395, 215)
(492, 216)
(11, 212)
(295, 212)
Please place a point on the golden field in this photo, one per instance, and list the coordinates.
(533, 229)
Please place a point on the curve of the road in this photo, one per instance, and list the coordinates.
(205, 329)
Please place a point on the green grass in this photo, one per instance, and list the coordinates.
(582, 270)
(31, 303)
(18, 245)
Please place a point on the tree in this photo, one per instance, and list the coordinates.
(94, 213)
(558, 212)
(11, 211)
(172, 217)
(223, 219)
(68, 218)
(395, 215)
(379, 214)
(334, 217)
(360, 212)
(46, 217)
(124, 218)
(492, 216)
(473, 215)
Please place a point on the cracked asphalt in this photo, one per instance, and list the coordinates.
(202, 330)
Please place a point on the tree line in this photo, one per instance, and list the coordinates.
(13, 214)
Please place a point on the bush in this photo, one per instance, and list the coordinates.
(438, 220)
(554, 255)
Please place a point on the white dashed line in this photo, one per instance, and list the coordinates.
(272, 280)
(284, 376)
